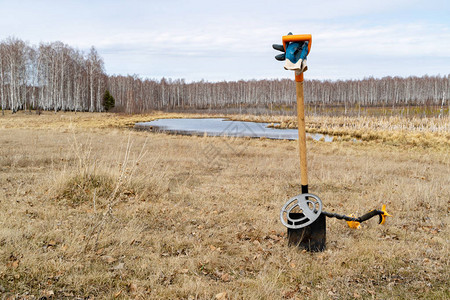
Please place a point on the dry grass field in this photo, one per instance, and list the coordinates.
(90, 209)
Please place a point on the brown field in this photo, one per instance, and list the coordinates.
(92, 209)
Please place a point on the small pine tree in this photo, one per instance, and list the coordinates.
(108, 101)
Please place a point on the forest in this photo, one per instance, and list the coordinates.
(56, 76)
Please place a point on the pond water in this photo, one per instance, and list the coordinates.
(224, 127)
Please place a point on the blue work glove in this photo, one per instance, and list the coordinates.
(295, 55)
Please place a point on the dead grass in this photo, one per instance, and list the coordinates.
(427, 132)
(431, 132)
(61, 120)
(111, 213)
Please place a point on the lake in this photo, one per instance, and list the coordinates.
(224, 127)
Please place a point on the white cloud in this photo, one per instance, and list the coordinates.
(390, 40)
(232, 39)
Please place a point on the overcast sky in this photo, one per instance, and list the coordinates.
(231, 40)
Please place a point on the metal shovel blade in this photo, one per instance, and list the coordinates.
(311, 238)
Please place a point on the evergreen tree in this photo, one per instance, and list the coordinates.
(108, 100)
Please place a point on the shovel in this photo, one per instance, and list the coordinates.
(302, 214)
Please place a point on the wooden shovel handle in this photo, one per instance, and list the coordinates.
(301, 133)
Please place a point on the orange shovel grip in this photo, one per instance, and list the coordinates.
(297, 38)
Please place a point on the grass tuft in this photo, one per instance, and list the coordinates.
(84, 188)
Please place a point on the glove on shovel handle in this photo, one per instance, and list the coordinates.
(297, 38)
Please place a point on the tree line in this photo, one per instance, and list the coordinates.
(51, 76)
(55, 76)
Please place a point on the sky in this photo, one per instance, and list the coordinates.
(232, 40)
